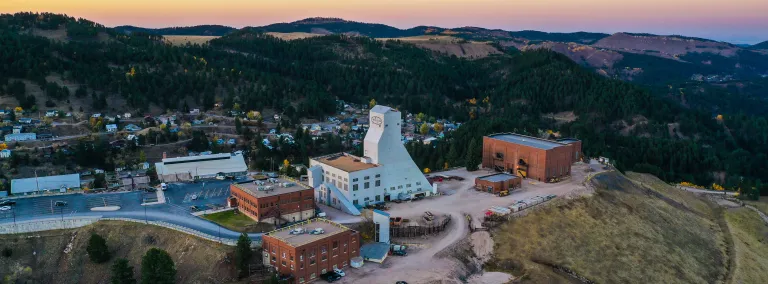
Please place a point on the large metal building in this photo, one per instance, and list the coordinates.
(530, 157)
(201, 167)
(33, 185)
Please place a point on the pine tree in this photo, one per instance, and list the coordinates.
(473, 157)
(157, 267)
(97, 249)
(243, 254)
(122, 273)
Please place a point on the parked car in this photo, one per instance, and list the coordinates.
(317, 231)
(5, 208)
(297, 231)
(339, 272)
(330, 276)
(61, 203)
(7, 203)
(400, 252)
(401, 282)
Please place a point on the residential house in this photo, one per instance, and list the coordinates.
(3, 112)
(51, 113)
(127, 115)
(17, 129)
(96, 115)
(231, 141)
(5, 153)
(194, 111)
(429, 140)
(111, 128)
(25, 120)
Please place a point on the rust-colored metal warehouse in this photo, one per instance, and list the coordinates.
(530, 157)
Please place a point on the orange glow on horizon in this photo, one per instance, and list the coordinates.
(738, 20)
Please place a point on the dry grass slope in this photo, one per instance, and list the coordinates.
(750, 235)
(622, 234)
(182, 40)
(42, 257)
(450, 45)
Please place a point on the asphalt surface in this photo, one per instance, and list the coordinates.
(177, 210)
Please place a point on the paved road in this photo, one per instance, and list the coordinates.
(696, 190)
(177, 210)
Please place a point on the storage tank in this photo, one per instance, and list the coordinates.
(356, 262)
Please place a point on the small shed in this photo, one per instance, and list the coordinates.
(498, 182)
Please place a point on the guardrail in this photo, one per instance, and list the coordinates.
(226, 241)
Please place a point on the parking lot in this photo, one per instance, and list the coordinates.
(203, 195)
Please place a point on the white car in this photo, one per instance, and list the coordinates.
(339, 272)
(5, 208)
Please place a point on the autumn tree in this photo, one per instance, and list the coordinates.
(372, 103)
(424, 129)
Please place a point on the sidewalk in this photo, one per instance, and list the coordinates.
(160, 199)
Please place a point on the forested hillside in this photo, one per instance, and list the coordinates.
(639, 129)
(202, 30)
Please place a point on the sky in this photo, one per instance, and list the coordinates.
(736, 21)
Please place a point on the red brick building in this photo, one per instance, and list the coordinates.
(275, 201)
(530, 157)
(304, 257)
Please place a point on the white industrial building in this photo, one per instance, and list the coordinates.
(201, 167)
(385, 172)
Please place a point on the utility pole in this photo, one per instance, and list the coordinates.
(37, 183)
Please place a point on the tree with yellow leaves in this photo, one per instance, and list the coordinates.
(445, 165)
(427, 170)
(438, 127)
(3, 146)
(424, 129)
(420, 117)
(472, 101)
(719, 117)
(372, 103)
(253, 115)
(487, 100)
(236, 107)
(18, 109)
(717, 187)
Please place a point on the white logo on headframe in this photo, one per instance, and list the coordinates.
(376, 121)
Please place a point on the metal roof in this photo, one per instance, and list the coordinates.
(498, 177)
(26, 185)
(527, 141)
(203, 165)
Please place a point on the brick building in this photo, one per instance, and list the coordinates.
(304, 257)
(275, 201)
(498, 182)
(530, 157)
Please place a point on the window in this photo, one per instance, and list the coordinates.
(324, 249)
(354, 202)
(378, 175)
(399, 187)
(366, 185)
(344, 264)
(283, 255)
(283, 263)
(325, 257)
(392, 188)
(366, 199)
(367, 178)
(345, 180)
(301, 265)
(323, 271)
(301, 279)
(312, 276)
(291, 257)
(333, 175)
(354, 179)
(335, 266)
(378, 198)
(408, 185)
(274, 258)
(335, 244)
(346, 187)
(354, 187)
(292, 266)
(378, 183)
(418, 183)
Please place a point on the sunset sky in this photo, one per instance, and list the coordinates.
(737, 21)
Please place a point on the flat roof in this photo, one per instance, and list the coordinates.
(526, 141)
(266, 188)
(25, 185)
(202, 165)
(345, 162)
(330, 228)
(568, 140)
(498, 177)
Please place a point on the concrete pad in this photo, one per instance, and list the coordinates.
(105, 208)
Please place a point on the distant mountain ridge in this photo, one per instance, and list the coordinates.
(201, 30)
(640, 57)
(762, 45)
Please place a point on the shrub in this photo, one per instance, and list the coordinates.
(97, 249)
(157, 267)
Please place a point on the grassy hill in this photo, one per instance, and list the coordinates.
(60, 257)
(624, 233)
